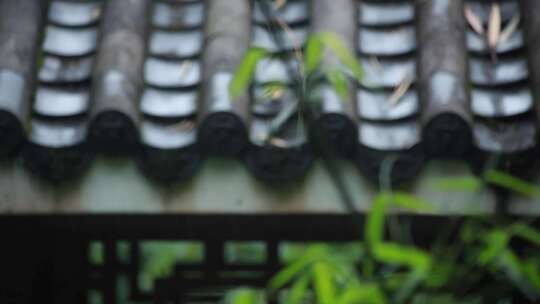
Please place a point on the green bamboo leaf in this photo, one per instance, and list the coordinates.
(345, 56)
(243, 296)
(161, 265)
(323, 283)
(509, 263)
(339, 82)
(245, 71)
(355, 292)
(410, 202)
(394, 254)
(299, 290)
(470, 231)
(531, 270)
(463, 184)
(374, 232)
(513, 183)
(410, 284)
(313, 54)
(286, 275)
(440, 274)
(526, 232)
(495, 242)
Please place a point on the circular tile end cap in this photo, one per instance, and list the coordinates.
(276, 165)
(113, 132)
(57, 164)
(336, 131)
(447, 136)
(405, 165)
(223, 133)
(166, 166)
(11, 134)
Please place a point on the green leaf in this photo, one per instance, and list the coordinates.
(470, 231)
(512, 183)
(510, 264)
(323, 283)
(339, 82)
(526, 232)
(299, 290)
(161, 264)
(410, 202)
(243, 296)
(283, 116)
(272, 89)
(375, 223)
(293, 270)
(531, 270)
(394, 254)
(345, 56)
(495, 242)
(355, 292)
(374, 232)
(440, 274)
(464, 184)
(244, 74)
(313, 54)
(408, 287)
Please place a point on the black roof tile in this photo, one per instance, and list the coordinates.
(150, 79)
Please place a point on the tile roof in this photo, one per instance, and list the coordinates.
(149, 79)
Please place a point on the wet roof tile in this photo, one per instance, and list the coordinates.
(163, 82)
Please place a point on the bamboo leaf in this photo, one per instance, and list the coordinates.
(510, 28)
(280, 3)
(474, 21)
(313, 54)
(286, 275)
(410, 202)
(494, 26)
(531, 270)
(526, 232)
(374, 231)
(345, 56)
(401, 90)
(391, 253)
(185, 67)
(245, 71)
(357, 292)
(339, 82)
(323, 283)
(162, 264)
(243, 296)
(283, 116)
(394, 254)
(408, 287)
(465, 184)
(495, 243)
(511, 265)
(512, 183)
(299, 290)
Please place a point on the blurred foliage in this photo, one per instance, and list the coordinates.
(486, 260)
